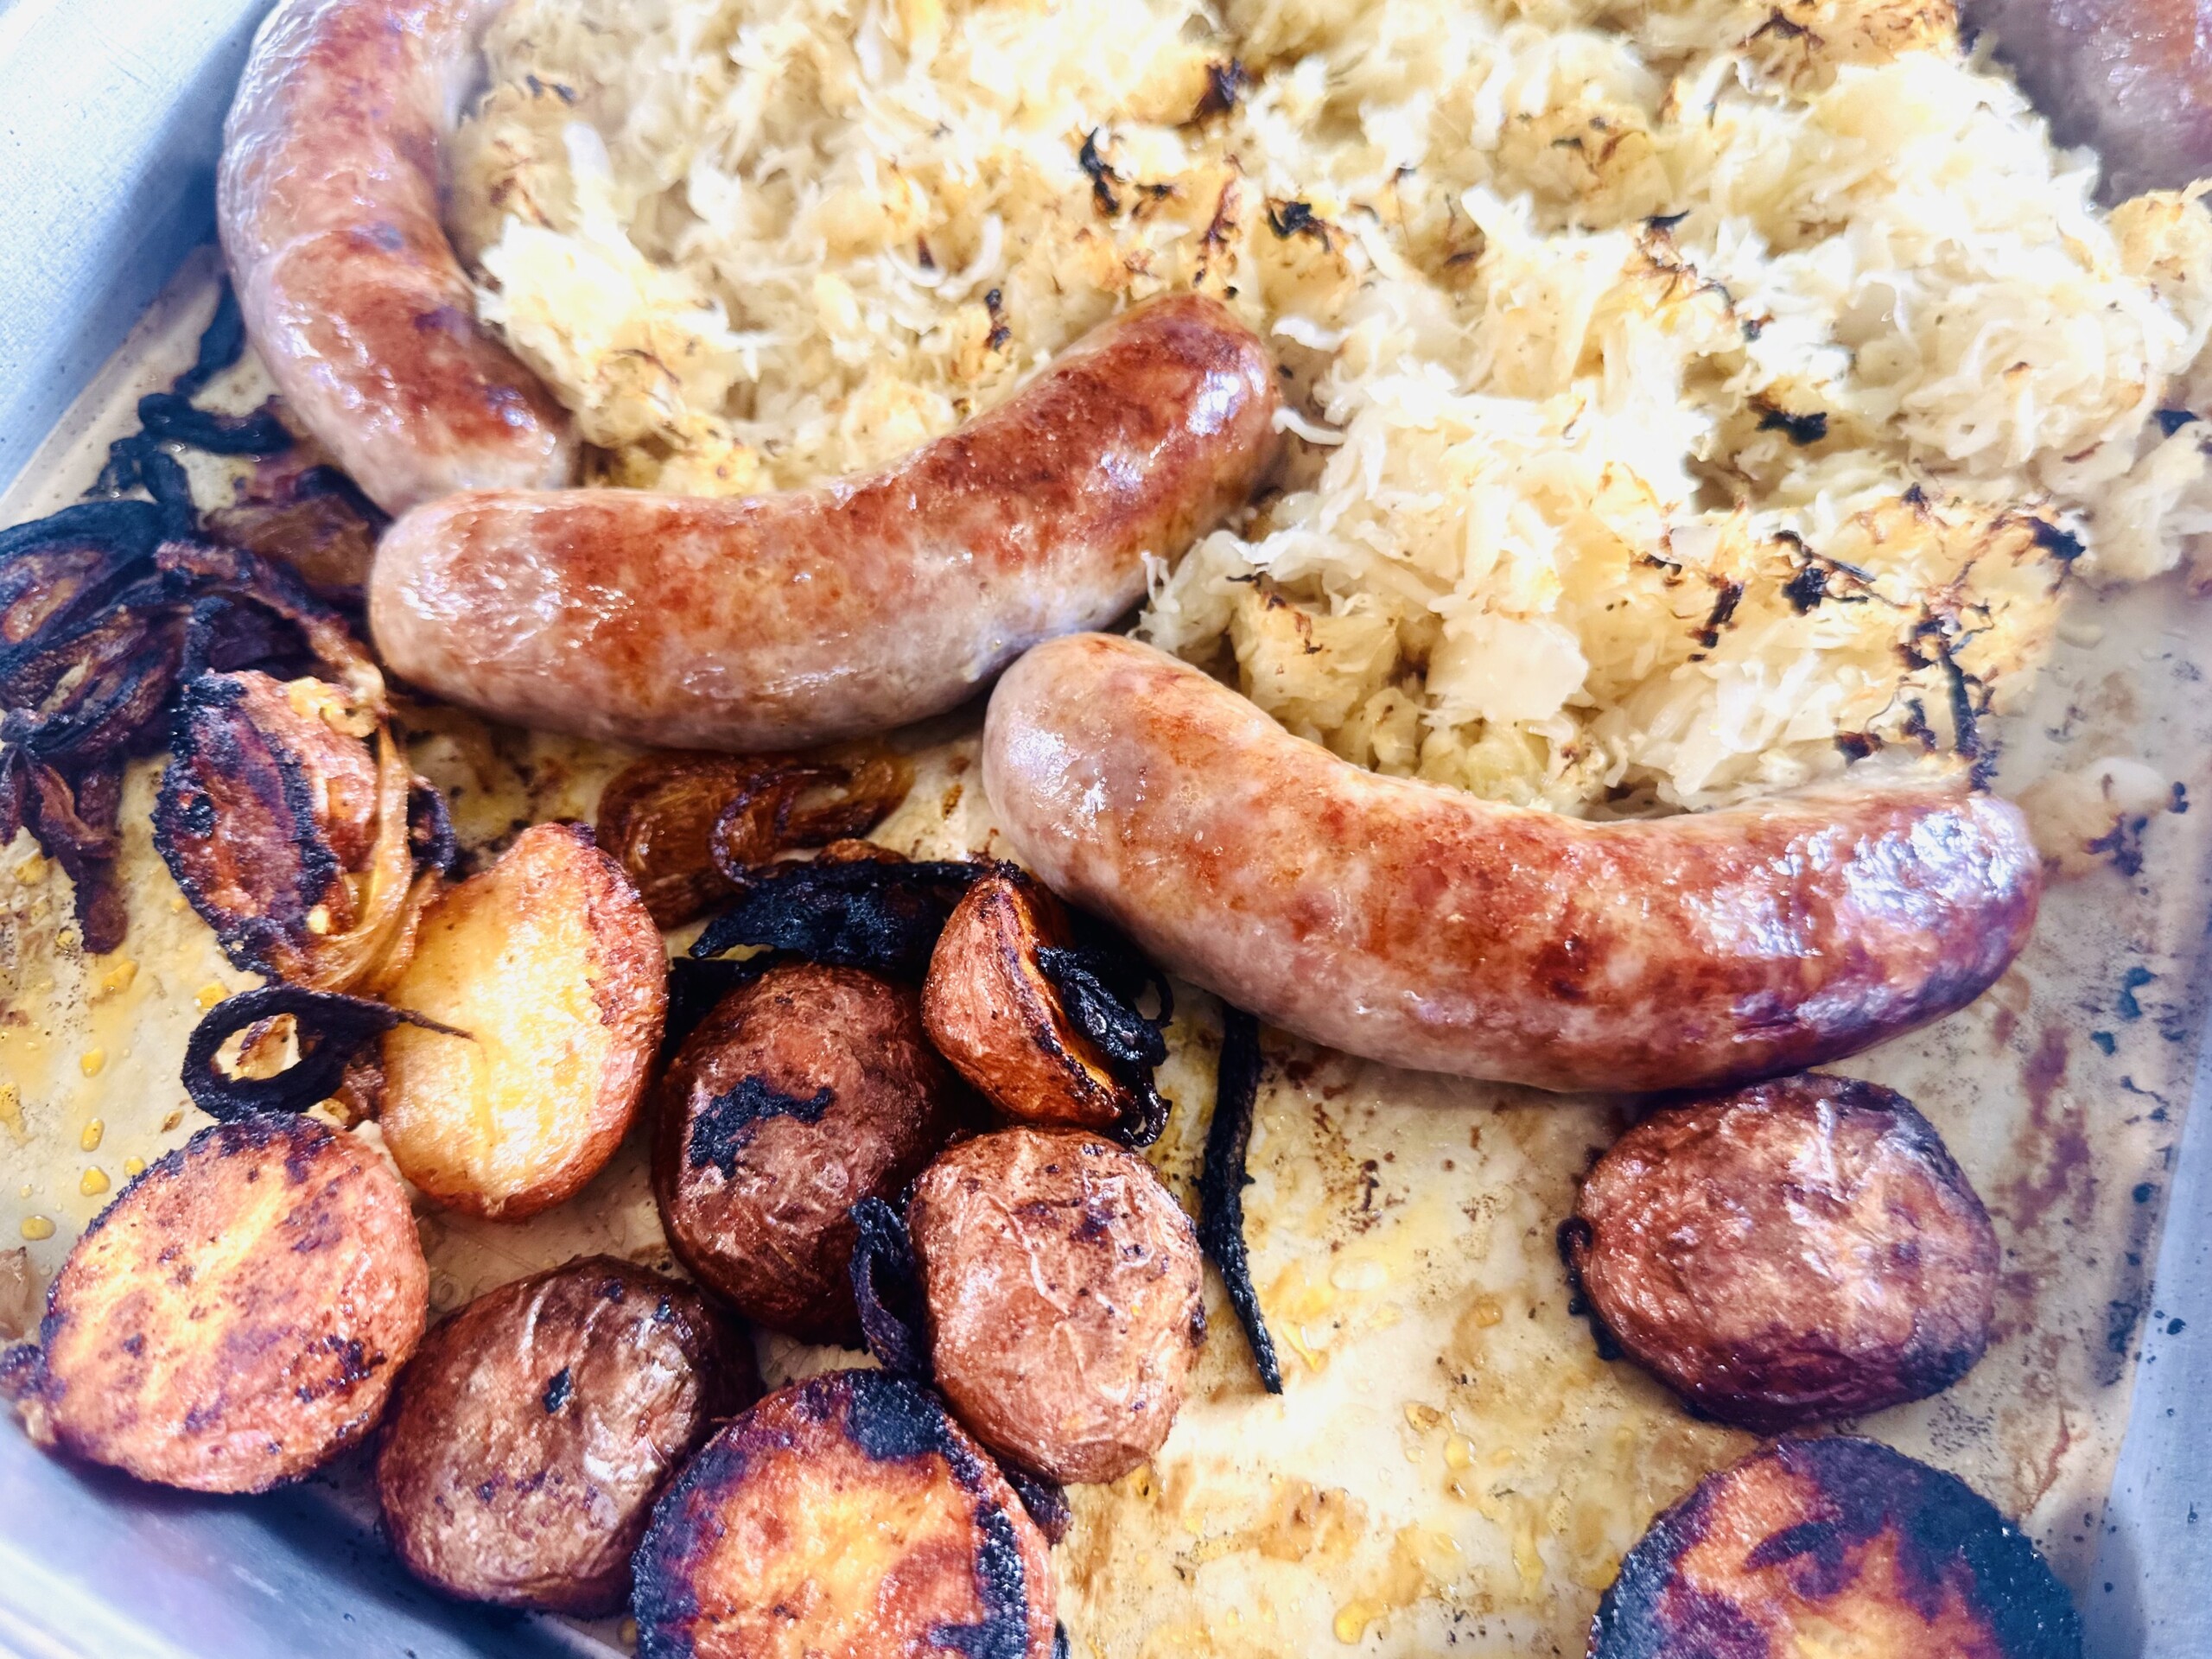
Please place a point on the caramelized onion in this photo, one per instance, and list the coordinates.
(876, 911)
(1221, 1182)
(330, 1030)
(894, 1321)
(686, 827)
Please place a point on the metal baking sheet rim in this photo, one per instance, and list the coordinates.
(116, 110)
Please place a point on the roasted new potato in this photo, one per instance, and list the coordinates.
(238, 1315)
(801, 1094)
(1835, 1546)
(845, 1518)
(1794, 1252)
(269, 802)
(1062, 1284)
(551, 967)
(992, 1012)
(531, 1434)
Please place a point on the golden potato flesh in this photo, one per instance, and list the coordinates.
(238, 1315)
(533, 1430)
(550, 965)
(992, 1013)
(1064, 1285)
(848, 1518)
(1835, 1546)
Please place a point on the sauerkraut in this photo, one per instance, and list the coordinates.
(1685, 396)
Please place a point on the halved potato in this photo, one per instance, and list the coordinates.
(237, 1315)
(797, 1097)
(991, 1011)
(1066, 1298)
(550, 964)
(1836, 1546)
(532, 1432)
(1788, 1254)
(848, 1518)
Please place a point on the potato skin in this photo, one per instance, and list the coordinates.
(800, 1094)
(1064, 1285)
(1848, 1543)
(532, 1432)
(1788, 1253)
(992, 1013)
(238, 1315)
(552, 963)
(848, 1518)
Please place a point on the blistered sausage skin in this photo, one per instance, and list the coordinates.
(328, 199)
(777, 620)
(1427, 928)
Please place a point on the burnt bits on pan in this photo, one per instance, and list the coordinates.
(1788, 1254)
(851, 1490)
(1841, 1539)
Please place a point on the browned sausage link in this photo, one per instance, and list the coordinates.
(1427, 928)
(2132, 77)
(774, 621)
(328, 199)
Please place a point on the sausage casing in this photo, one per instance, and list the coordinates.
(2132, 77)
(1428, 928)
(779, 620)
(327, 201)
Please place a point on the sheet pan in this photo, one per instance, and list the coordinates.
(114, 108)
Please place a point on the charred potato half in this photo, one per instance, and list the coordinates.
(1799, 1251)
(991, 1011)
(800, 1094)
(845, 1518)
(1834, 1546)
(551, 967)
(239, 1314)
(532, 1432)
(265, 808)
(1062, 1284)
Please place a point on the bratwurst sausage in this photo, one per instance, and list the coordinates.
(780, 620)
(1418, 925)
(328, 200)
